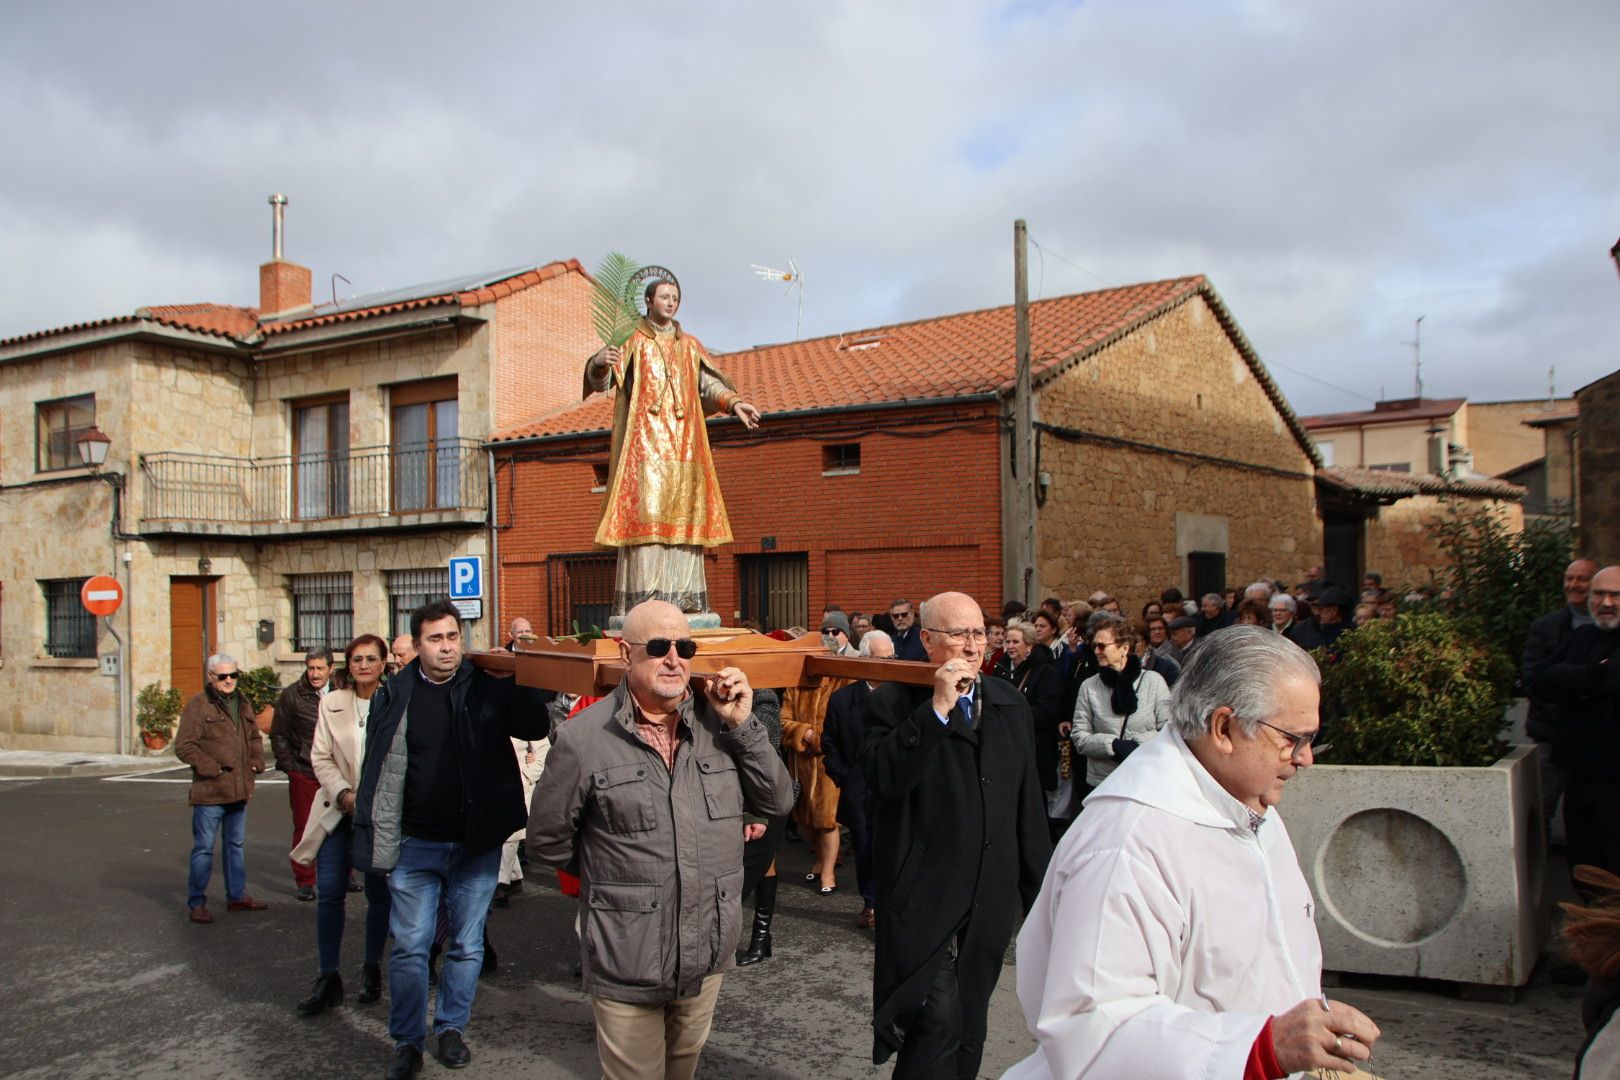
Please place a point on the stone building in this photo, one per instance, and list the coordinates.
(1597, 466)
(278, 477)
(1549, 478)
(881, 471)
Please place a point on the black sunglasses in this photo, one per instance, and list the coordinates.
(685, 647)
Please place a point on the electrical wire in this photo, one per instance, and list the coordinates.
(1324, 382)
(1060, 257)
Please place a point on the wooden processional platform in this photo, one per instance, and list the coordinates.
(594, 668)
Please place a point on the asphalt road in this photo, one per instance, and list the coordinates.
(104, 976)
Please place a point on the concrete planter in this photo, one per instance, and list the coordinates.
(1427, 872)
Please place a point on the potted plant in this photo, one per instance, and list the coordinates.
(156, 710)
(260, 688)
(1420, 832)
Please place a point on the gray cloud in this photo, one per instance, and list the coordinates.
(1337, 169)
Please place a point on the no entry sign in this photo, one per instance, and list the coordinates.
(101, 595)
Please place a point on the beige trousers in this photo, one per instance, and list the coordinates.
(660, 1041)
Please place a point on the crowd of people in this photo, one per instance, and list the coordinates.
(663, 807)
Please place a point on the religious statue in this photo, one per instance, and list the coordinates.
(663, 504)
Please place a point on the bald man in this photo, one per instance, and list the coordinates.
(1583, 677)
(643, 798)
(960, 844)
(1544, 638)
(400, 653)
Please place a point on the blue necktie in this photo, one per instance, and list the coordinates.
(965, 703)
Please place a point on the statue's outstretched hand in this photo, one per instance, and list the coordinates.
(609, 357)
(747, 414)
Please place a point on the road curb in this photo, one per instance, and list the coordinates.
(83, 768)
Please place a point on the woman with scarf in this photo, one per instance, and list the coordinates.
(1120, 707)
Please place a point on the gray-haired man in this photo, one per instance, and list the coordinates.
(1174, 925)
(218, 739)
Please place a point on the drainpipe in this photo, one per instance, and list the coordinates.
(494, 557)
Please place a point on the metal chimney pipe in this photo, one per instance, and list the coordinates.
(279, 202)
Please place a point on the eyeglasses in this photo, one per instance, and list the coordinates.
(1300, 741)
(1095, 644)
(685, 647)
(976, 633)
(223, 675)
(830, 630)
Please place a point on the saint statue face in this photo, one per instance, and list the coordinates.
(665, 302)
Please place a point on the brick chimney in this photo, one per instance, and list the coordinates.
(283, 286)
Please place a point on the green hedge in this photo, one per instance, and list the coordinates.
(1419, 689)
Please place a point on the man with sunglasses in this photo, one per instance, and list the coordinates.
(218, 739)
(1174, 925)
(643, 799)
(959, 844)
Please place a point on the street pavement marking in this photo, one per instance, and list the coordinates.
(272, 776)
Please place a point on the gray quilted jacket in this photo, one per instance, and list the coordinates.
(658, 852)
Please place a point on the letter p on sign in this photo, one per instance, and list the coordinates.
(467, 577)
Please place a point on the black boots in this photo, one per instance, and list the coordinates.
(328, 992)
(370, 983)
(759, 943)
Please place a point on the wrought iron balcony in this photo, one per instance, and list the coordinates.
(411, 485)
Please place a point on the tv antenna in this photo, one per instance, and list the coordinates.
(794, 279)
(1417, 356)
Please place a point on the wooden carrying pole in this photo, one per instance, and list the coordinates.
(594, 668)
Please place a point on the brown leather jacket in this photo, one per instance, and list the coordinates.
(224, 756)
(292, 730)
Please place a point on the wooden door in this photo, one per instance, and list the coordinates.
(192, 636)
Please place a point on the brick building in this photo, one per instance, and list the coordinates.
(282, 476)
(882, 470)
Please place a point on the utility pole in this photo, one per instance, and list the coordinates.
(1024, 478)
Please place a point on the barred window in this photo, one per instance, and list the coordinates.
(323, 610)
(70, 631)
(409, 590)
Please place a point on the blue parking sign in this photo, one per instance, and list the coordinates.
(466, 577)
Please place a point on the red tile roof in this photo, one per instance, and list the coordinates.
(1394, 485)
(242, 325)
(950, 356)
(470, 298)
(1547, 419)
(236, 322)
(1404, 412)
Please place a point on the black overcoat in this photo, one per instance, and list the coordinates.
(1041, 682)
(959, 843)
(841, 737)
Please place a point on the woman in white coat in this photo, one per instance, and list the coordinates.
(1120, 707)
(338, 749)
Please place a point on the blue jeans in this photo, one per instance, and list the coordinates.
(205, 822)
(426, 870)
(332, 864)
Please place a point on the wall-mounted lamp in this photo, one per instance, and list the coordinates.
(93, 444)
(205, 565)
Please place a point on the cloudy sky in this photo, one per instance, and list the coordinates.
(1338, 169)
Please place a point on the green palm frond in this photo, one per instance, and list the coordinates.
(613, 309)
